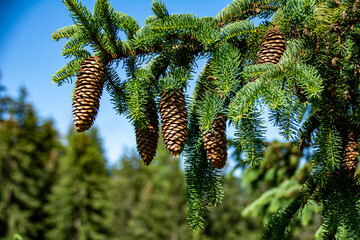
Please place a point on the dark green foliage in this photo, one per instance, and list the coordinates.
(79, 206)
(278, 226)
(149, 203)
(175, 80)
(250, 136)
(208, 111)
(29, 152)
(341, 214)
(159, 9)
(204, 182)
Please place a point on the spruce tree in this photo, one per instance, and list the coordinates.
(149, 204)
(79, 206)
(302, 58)
(29, 153)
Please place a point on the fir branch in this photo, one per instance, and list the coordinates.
(204, 182)
(137, 94)
(116, 89)
(175, 80)
(277, 227)
(275, 94)
(244, 9)
(293, 53)
(250, 136)
(225, 68)
(265, 70)
(159, 9)
(285, 116)
(209, 110)
(83, 18)
(308, 78)
(131, 65)
(299, 11)
(175, 23)
(340, 206)
(99, 12)
(74, 44)
(68, 71)
(329, 146)
(158, 66)
(110, 29)
(307, 129)
(245, 99)
(239, 29)
(65, 32)
(126, 23)
(146, 38)
(207, 33)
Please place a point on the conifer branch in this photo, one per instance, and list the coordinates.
(68, 71)
(239, 29)
(204, 182)
(244, 9)
(137, 93)
(208, 111)
(116, 89)
(126, 23)
(225, 67)
(159, 9)
(83, 18)
(65, 32)
(250, 136)
(245, 99)
(278, 225)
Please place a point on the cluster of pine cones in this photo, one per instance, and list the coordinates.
(88, 90)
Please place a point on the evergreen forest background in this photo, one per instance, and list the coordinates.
(56, 189)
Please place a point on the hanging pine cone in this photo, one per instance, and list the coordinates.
(215, 143)
(147, 138)
(272, 47)
(174, 121)
(350, 153)
(88, 90)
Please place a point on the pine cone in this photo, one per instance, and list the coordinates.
(88, 90)
(174, 121)
(147, 138)
(215, 143)
(272, 47)
(350, 153)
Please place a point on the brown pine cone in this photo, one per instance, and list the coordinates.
(215, 143)
(272, 47)
(174, 121)
(350, 153)
(147, 138)
(88, 90)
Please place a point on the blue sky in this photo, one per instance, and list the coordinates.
(29, 57)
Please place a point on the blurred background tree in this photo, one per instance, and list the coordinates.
(29, 152)
(79, 206)
(150, 202)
